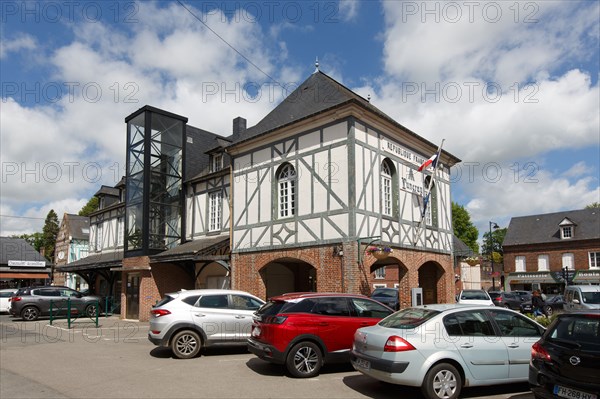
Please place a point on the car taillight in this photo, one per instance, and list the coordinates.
(538, 352)
(274, 319)
(497, 299)
(159, 312)
(397, 344)
(15, 299)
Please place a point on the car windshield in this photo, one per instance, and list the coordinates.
(385, 293)
(408, 318)
(476, 295)
(591, 297)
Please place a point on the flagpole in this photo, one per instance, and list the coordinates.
(427, 198)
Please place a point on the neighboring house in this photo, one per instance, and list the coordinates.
(21, 265)
(537, 248)
(289, 204)
(72, 244)
(467, 276)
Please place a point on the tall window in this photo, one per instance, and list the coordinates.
(594, 260)
(99, 234)
(216, 162)
(380, 272)
(286, 185)
(568, 260)
(214, 211)
(519, 263)
(543, 263)
(386, 189)
(120, 231)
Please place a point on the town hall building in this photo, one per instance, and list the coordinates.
(291, 204)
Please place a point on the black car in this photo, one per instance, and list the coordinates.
(387, 296)
(506, 299)
(29, 303)
(564, 362)
(551, 305)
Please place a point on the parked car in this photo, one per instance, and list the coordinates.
(5, 295)
(475, 297)
(552, 305)
(306, 330)
(582, 297)
(186, 321)
(525, 295)
(29, 303)
(443, 347)
(387, 296)
(506, 299)
(564, 362)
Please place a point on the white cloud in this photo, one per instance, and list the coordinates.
(348, 9)
(20, 42)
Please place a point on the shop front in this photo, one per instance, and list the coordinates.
(547, 282)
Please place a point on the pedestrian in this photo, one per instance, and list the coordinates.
(537, 302)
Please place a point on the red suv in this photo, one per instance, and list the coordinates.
(306, 330)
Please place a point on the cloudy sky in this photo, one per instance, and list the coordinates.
(512, 87)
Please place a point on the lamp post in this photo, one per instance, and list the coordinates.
(495, 226)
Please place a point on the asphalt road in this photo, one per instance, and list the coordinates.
(117, 361)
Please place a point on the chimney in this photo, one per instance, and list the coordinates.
(239, 127)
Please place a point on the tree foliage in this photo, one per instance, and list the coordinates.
(49, 233)
(593, 205)
(464, 229)
(91, 206)
(496, 242)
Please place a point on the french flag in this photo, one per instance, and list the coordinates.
(432, 161)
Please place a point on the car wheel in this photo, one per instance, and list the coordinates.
(442, 381)
(304, 360)
(548, 311)
(90, 311)
(30, 313)
(186, 344)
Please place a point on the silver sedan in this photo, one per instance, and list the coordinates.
(442, 348)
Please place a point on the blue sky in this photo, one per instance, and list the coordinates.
(512, 87)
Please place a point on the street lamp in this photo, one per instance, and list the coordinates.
(495, 226)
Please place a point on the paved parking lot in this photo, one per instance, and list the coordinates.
(117, 361)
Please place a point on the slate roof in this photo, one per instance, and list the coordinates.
(544, 229)
(18, 249)
(315, 95)
(95, 261)
(107, 190)
(197, 160)
(460, 248)
(194, 250)
(79, 226)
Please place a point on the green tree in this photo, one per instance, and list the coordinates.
(593, 205)
(91, 206)
(464, 228)
(49, 233)
(495, 245)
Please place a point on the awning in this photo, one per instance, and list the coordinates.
(97, 261)
(212, 248)
(24, 275)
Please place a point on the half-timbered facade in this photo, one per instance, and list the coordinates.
(322, 176)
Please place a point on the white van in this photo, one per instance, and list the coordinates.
(582, 297)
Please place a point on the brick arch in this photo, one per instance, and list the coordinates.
(431, 279)
(264, 259)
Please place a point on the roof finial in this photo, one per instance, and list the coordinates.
(317, 65)
(369, 97)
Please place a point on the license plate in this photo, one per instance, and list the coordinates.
(564, 392)
(363, 364)
(256, 332)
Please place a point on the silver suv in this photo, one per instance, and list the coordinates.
(186, 321)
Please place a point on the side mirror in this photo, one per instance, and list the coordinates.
(576, 301)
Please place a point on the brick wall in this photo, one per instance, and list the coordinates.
(345, 274)
(579, 250)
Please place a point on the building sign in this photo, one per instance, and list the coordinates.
(26, 263)
(402, 152)
(588, 275)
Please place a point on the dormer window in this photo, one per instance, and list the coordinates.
(216, 162)
(567, 229)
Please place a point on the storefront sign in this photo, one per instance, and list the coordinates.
(26, 263)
